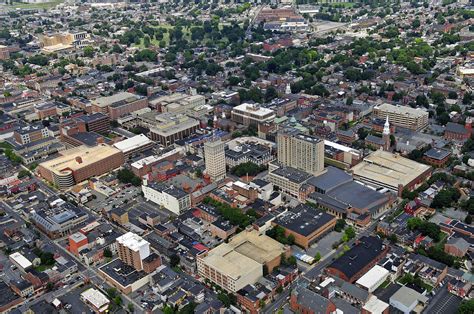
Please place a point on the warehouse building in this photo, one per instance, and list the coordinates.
(134, 145)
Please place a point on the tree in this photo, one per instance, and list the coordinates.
(111, 292)
(130, 308)
(107, 253)
(317, 257)
(466, 307)
(127, 176)
(88, 52)
(24, 173)
(340, 224)
(174, 260)
(270, 93)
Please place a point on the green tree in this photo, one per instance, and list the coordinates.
(317, 257)
(466, 307)
(174, 260)
(107, 253)
(88, 51)
(130, 308)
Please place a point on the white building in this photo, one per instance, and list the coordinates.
(373, 278)
(171, 198)
(134, 145)
(252, 114)
(96, 300)
(20, 261)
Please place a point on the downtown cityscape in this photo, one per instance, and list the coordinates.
(224, 156)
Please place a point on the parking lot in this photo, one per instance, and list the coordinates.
(74, 299)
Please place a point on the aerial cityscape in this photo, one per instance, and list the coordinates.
(224, 156)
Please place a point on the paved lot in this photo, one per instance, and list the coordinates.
(324, 246)
(73, 298)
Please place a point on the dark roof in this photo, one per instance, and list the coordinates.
(456, 128)
(292, 174)
(332, 178)
(7, 295)
(359, 256)
(311, 300)
(304, 219)
(122, 273)
(374, 139)
(358, 195)
(438, 154)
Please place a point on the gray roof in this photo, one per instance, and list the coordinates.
(436, 153)
(358, 195)
(332, 178)
(311, 300)
(374, 139)
(456, 128)
(408, 297)
(460, 243)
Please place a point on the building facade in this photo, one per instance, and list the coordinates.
(214, 157)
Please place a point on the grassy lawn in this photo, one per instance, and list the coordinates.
(41, 268)
(39, 6)
(5, 145)
(385, 283)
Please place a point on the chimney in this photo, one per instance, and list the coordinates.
(79, 160)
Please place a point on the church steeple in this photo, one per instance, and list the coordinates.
(386, 135)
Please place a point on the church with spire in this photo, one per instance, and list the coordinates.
(386, 135)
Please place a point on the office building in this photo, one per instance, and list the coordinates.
(173, 199)
(251, 114)
(31, 133)
(299, 151)
(402, 116)
(119, 105)
(58, 221)
(96, 122)
(391, 171)
(214, 157)
(167, 128)
(79, 164)
(132, 250)
(290, 181)
(240, 262)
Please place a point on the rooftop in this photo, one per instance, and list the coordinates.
(304, 219)
(390, 169)
(133, 143)
(96, 298)
(79, 157)
(133, 241)
(402, 110)
(119, 97)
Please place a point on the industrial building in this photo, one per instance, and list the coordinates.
(79, 164)
(240, 262)
(391, 171)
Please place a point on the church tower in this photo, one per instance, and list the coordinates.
(386, 135)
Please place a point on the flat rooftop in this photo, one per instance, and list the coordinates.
(389, 169)
(132, 143)
(253, 109)
(246, 251)
(133, 241)
(403, 110)
(79, 157)
(110, 100)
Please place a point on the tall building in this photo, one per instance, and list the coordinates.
(300, 151)
(214, 156)
(133, 249)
